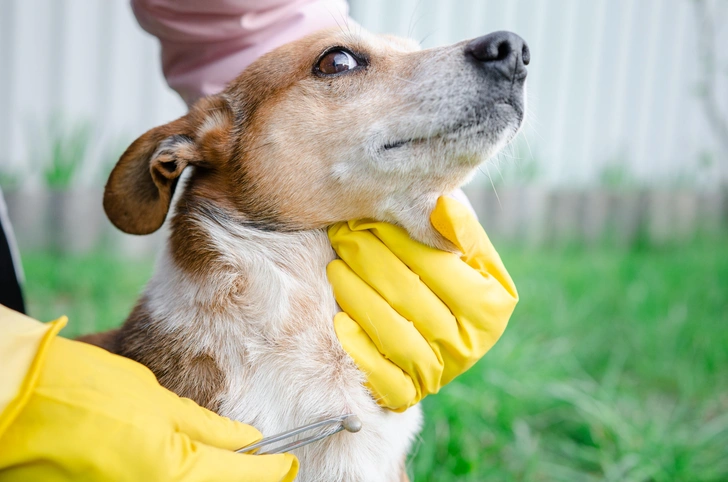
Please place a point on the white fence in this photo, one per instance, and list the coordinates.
(74, 221)
(613, 83)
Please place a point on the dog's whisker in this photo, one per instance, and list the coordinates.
(497, 167)
(412, 26)
(387, 74)
(422, 40)
(487, 173)
(333, 17)
(345, 19)
(509, 152)
(528, 145)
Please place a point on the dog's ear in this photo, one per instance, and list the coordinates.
(140, 187)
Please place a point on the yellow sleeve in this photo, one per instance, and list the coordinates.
(72, 411)
(23, 345)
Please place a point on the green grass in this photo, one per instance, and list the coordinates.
(614, 366)
(63, 154)
(96, 291)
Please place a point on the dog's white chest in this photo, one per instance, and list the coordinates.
(284, 366)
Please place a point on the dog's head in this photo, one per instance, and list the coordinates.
(335, 126)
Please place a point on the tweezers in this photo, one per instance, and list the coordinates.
(348, 422)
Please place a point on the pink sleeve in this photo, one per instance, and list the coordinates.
(207, 43)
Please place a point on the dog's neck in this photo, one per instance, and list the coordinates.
(253, 274)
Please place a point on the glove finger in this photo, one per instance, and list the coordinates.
(460, 226)
(194, 461)
(395, 282)
(391, 386)
(207, 427)
(471, 295)
(394, 336)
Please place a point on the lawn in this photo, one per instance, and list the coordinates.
(614, 366)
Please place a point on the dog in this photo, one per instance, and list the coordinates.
(339, 125)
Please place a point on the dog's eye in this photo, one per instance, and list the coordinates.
(336, 61)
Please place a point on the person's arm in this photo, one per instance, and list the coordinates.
(206, 44)
(72, 411)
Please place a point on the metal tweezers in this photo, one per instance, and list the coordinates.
(348, 422)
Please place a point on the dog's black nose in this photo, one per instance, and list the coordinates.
(505, 52)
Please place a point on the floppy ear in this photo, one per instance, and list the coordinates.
(140, 187)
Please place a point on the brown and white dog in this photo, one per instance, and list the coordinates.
(336, 126)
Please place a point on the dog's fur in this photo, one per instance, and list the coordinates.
(238, 315)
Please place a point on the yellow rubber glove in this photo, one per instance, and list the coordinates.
(415, 317)
(85, 414)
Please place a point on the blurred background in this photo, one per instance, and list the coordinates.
(610, 209)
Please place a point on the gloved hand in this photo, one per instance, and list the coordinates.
(97, 416)
(415, 317)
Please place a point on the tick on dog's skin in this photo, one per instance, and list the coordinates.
(336, 126)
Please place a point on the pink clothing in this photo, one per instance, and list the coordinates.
(206, 44)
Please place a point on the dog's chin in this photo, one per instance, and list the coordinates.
(412, 212)
(431, 237)
(420, 229)
(452, 161)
